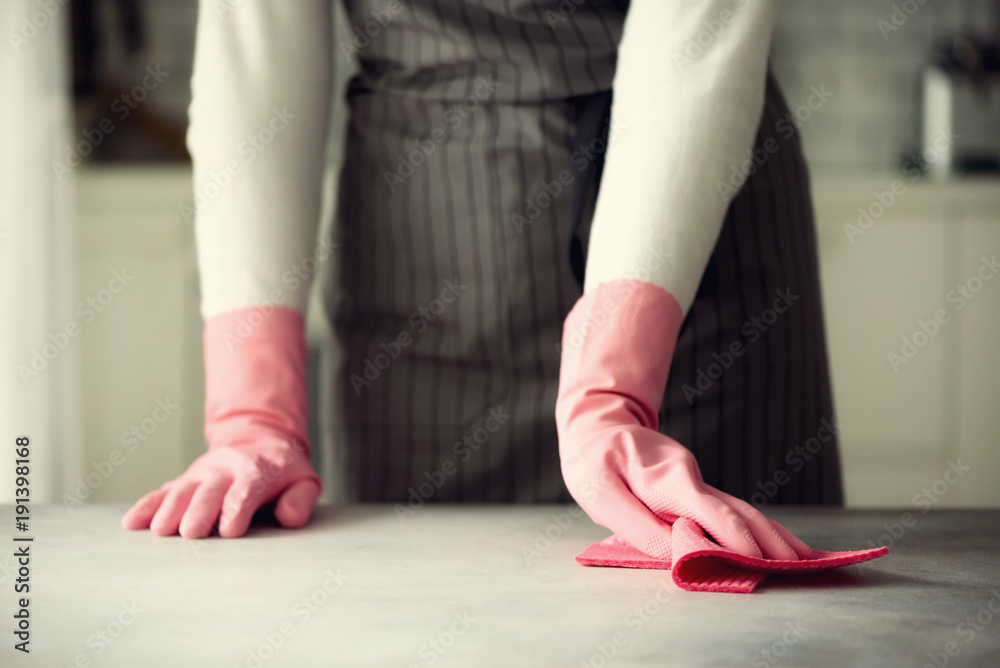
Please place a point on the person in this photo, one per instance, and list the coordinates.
(597, 212)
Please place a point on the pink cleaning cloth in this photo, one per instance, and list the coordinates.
(701, 565)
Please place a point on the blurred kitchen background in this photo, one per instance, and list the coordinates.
(906, 212)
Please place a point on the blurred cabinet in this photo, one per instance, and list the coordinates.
(141, 370)
(912, 370)
(142, 351)
(978, 428)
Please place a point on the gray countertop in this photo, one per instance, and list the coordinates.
(485, 586)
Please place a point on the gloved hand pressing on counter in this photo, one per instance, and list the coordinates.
(618, 342)
(256, 415)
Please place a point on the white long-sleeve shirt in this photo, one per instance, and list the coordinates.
(688, 96)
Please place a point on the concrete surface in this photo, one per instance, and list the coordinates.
(491, 586)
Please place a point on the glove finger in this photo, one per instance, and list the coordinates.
(797, 544)
(204, 508)
(142, 511)
(722, 522)
(618, 509)
(771, 543)
(676, 490)
(242, 500)
(168, 517)
(296, 503)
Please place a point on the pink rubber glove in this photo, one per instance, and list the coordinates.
(618, 342)
(256, 416)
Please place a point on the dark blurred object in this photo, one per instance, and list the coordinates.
(961, 102)
(987, 163)
(87, 34)
(107, 56)
(913, 164)
(84, 47)
(970, 56)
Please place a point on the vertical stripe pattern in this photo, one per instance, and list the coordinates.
(761, 422)
(455, 220)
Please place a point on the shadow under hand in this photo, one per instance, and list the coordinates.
(323, 518)
(841, 578)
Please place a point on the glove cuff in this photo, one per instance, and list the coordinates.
(255, 377)
(618, 341)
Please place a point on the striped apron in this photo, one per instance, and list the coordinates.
(462, 252)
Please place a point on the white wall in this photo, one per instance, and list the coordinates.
(142, 349)
(905, 421)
